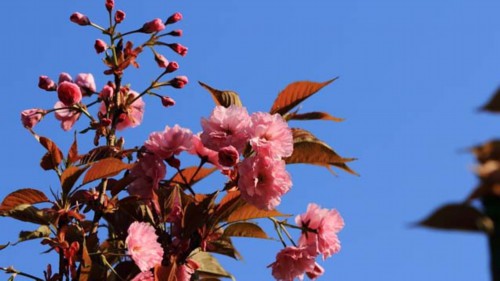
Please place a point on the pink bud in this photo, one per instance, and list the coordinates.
(174, 162)
(174, 18)
(167, 101)
(109, 5)
(228, 156)
(178, 48)
(153, 26)
(179, 82)
(31, 117)
(100, 46)
(69, 93)
(45, 83)
(172, 66)
(119, 16)
(106, 122)
(161, 61)
(79, 19)
(177, 33)
(106, 92)
(64, 77)
(86, 83)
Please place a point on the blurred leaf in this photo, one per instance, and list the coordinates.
(189, 173)
(197, 214)
(493, 105)
(85, 264)
(127, 270)
(210, 265)
(485, 189)
(165, 273)
(4, 246)
(53, 157)
(296, 93)
(457, 217)
(245, 229)
(308, 149)
(118, 185)
(487, 151)
(73, 153)
(248, 211)
(223, 246)
(70, 176)
(99, 153)
(313, 116)
(105, 168)
(41, 232)
(22, 196)
(27, 213)
(224, 98)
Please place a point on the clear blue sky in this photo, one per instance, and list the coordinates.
(412, 74)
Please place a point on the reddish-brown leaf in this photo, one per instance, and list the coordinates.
(224, 98)
(54, 155)
(165, 273)
(485, 189)
(296, 93)
(308, 149)
(313, 116)
(248, 211)
(189, 175)
(99, 153)
(105, 168)
(73, 153)
(22, 196)
(28, 213)
(493, 105)
(458, 217)
(118, 185)
(227, 205)
(70, 176)
(245, 229)
(487, 151)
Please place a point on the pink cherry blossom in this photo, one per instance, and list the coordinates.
(203, 152)
(316, 272)
(134, 113)
(69, 93)
(148, 170)
(226, 126)
(292, 262)
(170, 142)
(86, 83)
(228, 156)
(119, 16)
(143, 246)
(270, 132)
(263, 180)
(31, 117)
(327, 223)
(144, 276)
(47, 84)
(106, 92)
(64, 77)
(184, 271)
(153, 26)
(68, 117)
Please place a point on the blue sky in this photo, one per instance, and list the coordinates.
(412, 75)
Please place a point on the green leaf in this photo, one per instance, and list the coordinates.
(296, 93)
(245, 229)
(224, 98)
(105, 168)
(42, 232)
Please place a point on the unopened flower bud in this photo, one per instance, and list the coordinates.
(31, 117)
(161, 61)
(106, 122)
(119, 16)
(177, 33)
(64, 77)
(106, 92)
(174, 162)
(100, 46)
(153, 26)
(86, 83)
(172, 66)
(179, 82)
(79, 19)
(228, 156)
(109, 5)
(69, 93)
(47, 84)
(167, 101)
(178, 48)
(174, 18)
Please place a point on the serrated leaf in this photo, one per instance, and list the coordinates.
(308, 149)
(210, 265)
(245, 229)
(457, 217)
(70, 176)
(22, 196)
(53, 157)
(27, 213)
(224, 98)
(493, 105)
(189, 175)
(105, 168)
(313, 116)
(296, 93)
(248, 211)
(41, 232)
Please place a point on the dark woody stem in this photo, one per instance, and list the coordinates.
(188, 184)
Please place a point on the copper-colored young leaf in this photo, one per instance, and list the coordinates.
(313, 116)
(41, 232)
(209, 265)
(105, 168)
(70, 176)
(22, 196)
(493, 105)
(73, 153)
(227, 205)
(457, 217)
(224, 98)
(245, 229)
(487, 151)
(248, 211)
(223, 246)
(485, 189)
(99, 153)
(54, 154)
(118, 185)
(28, 213)
(308, 149)
(85, 264)
(296, 93)
(165, 273)
(189, 175)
